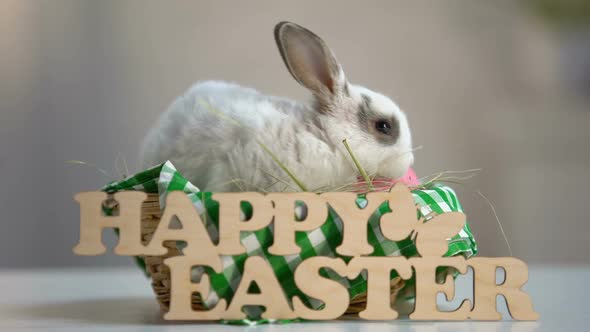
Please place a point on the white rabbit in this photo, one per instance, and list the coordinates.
(213, 133)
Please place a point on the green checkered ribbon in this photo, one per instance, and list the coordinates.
(319, 242)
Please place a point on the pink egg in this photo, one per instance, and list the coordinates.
(410, 179)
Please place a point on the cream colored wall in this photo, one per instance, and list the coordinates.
(478, 80)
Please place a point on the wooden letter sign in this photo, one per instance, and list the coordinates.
(278, 211)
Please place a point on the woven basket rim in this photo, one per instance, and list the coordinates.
(160, 273)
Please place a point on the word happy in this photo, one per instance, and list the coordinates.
(279, 209)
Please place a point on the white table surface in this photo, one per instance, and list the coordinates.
(121, 300)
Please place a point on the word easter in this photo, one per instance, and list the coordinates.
(280, 210)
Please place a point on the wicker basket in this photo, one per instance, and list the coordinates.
(160, 273)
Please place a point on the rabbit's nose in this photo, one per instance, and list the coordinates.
(397, 166)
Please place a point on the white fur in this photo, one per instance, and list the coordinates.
(211, 150)
(213, 132)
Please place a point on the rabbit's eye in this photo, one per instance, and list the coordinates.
(383, 126)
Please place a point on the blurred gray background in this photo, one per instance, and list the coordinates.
(501, 85)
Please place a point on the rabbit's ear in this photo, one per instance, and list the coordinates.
(309, 60)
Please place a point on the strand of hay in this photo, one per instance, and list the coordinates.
(497, 221)
(358, 165)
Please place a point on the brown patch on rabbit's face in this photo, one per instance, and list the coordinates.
(381, 125)
(376, 129)
(375, 115)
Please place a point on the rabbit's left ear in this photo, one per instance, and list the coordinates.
(309, 60)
